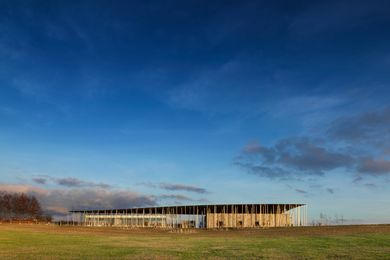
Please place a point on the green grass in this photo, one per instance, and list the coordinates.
(50, 242)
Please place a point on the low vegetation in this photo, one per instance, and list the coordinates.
(67, 242)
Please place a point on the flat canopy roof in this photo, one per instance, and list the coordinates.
(197, 209)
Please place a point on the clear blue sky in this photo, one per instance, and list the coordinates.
(129, 103)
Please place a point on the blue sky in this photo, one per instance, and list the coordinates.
(129, 103)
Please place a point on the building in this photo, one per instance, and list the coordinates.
(198, 216)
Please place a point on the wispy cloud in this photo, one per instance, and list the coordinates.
(70, 182)
(357, 179)
(175, 197)
(75, 182)
(334, 16)
(175, 187)
(370, 128)
(330, 190)
(216, 89)
(179, 198)
(29, 86)
(301, 191)
(183, 187)
(40, 180)
(370, 185)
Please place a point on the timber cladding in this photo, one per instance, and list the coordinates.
(247, 220)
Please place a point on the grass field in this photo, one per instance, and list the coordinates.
(54, 242)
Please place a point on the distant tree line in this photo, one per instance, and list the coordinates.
(325, 220)
(21, 207)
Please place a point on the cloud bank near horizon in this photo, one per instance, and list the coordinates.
(59, 201)
(75, 194)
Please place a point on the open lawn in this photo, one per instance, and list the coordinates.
(55, 242)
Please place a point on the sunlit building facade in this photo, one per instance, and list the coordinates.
(198, 216)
